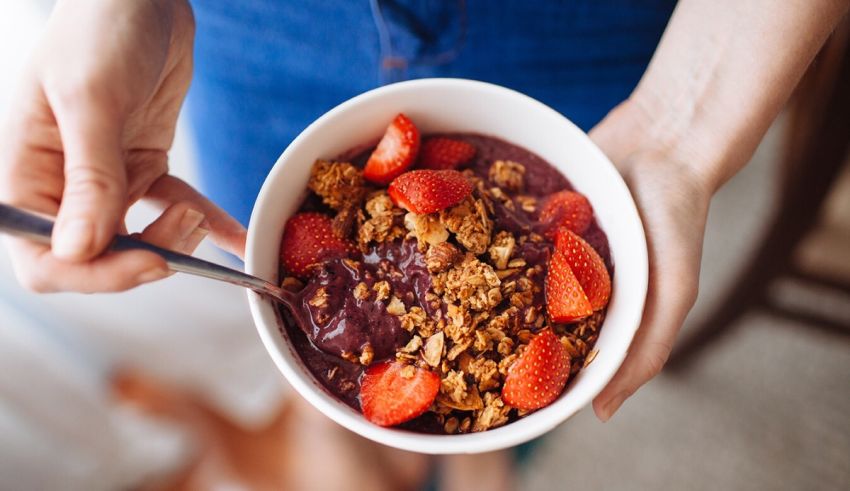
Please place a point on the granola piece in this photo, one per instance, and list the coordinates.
(413, 319)
(343, 223)
(292, 284)
(505, 347)
(527, 203)
(472, 283)
(396, 307)
(350, 357)
(339, 184)
(470, 223)
(457, 394)
(427, 229)
(507, 175)
(382, 226)
(506, 362)
(459, 348)
(464, 425)
(459, 327)
(434, 349)
(441, 257)
(451, 425)
(367, 355)
(483, 341)
(382, 290)
(485, 372)
(494, 414)
(413, 345)
(361, 291)
(502, 248)
(320, 298)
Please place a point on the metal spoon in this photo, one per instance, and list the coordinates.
(15, 221)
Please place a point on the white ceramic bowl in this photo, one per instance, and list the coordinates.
(463, 106)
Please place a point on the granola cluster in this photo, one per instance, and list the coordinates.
(485, 301)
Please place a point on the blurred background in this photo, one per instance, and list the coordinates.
(150, 388)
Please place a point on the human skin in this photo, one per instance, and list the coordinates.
(721, 74)
(95, 115)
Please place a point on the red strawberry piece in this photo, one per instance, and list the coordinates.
(308, 239)
(426, 191)
(445, 153)
(587, 266)
(565, 299)
(566, 209)
(395, 152)
(539, 374)
(394, 392)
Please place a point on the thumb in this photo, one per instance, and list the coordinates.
(94, 196)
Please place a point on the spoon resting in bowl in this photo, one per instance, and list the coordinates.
(17, 222)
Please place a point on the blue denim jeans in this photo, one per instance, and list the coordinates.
(265, 69)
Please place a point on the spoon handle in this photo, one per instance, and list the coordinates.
(15, 221)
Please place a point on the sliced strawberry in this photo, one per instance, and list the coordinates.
(395, 152)
(565, 299)
(426, 191)
(393, 392)
(308, 239)
(587, 266)
(566, 209)
(445, 153)
(539, 375)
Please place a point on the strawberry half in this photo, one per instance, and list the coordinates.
(565, 299)
(308, 239)
(445, 153)
(395, 152)
(426, 191)
(587, 266)
(389, 397)
(539, 374)
(566, 209)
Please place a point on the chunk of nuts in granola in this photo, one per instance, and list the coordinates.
(506, 362)
(471, 224)
(451, 425)
(350, 357)
(502, 248)
(339, 184)
(485, 372)
(483, 342)
(505, 347)
(408, 371)
(507, 174)
(396, 307)
(441, 257)
(292, 284)
(426, 229)
(472, 283)
(320, 298)
(367, 355)
(361, 291)
(458, 348)
(382, 289)
(413, 345)
(434, 349)
(527, 203)
(465, 424)
(457, 394)
(494, 414)
(382, 225)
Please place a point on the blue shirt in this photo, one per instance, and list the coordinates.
(265, 69)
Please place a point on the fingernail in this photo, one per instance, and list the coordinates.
(194, 240)
(189, 223)
(614, 404)
(152, 275)
(73, 239)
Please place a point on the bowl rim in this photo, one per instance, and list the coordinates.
(509, 435)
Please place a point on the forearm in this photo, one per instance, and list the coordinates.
(721, 74)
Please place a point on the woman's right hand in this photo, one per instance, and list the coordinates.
(88, 135)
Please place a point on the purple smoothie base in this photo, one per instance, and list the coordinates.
(355, 322)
